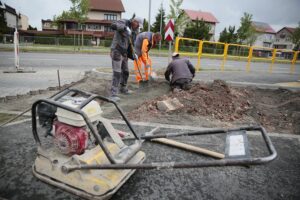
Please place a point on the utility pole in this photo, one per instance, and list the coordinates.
(149, 17)
(161, 9)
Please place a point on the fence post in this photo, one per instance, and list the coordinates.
(295, 57)
(199, 54)
(274, 55)
(176, 44)
(225, 56)
(249, 59)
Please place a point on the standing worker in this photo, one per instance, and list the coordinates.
(125, 31)
(143, 43)
(182, 72)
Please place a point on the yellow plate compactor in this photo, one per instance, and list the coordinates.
(81, 152)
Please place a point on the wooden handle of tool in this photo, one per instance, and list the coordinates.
(189, 147)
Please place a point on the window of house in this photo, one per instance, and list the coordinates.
(110, 17)
(107, 29)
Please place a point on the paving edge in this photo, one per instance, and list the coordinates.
(108, 75)
(177, 127)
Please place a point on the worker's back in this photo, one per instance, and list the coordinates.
(139, 41)
(179, 68)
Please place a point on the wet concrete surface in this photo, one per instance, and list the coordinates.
(279, 179)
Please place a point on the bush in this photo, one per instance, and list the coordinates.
(107, 43)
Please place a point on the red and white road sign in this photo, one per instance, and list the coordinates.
(169, 30)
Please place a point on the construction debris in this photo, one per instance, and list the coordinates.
(169, 105)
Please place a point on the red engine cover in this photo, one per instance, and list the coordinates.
(69, 139)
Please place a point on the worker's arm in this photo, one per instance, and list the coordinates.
(191, 67)
(168, 72)
(118, 26)
(145, 56)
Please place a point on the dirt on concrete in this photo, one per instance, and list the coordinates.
(206, 104)
(276, 110)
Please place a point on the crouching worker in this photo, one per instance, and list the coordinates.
(181, 71)
(124, 32)
(143, 43)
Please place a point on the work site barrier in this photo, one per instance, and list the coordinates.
(225, 51)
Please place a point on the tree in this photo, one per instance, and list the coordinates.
(77, 12)
(156, 25)
(145, 26)
(223, 35)
(3, 24)
(31, 28)
(296, 38)
(180, 18)
(198, 30)
(246, 32)
(228, 36)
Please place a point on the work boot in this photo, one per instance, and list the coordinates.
(124, 90)
(114, 98)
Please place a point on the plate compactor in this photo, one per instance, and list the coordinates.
(82, 153)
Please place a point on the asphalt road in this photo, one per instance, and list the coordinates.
(279, 179)
(73, 66)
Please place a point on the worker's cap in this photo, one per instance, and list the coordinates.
(139, 20)
(175, 54)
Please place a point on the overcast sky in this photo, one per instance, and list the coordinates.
(278, 13)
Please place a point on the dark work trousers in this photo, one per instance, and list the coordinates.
(183, 83)
(120, 71)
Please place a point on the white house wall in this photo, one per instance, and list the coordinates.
(100, 15)
(264, 40)
(11, 20)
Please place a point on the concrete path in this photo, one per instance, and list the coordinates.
(279, 179)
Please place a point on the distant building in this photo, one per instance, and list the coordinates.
(11, 16)
(48, 25)
(100, 17)
(23, 22)
(14, 19)
(283, 38)
(265, 34)
(207, 17)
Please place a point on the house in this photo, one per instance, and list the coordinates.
(100, 16)
(207, 17)
(11, 16)
(283, 38)
(48, 25)
(265, 34)
(14, 19)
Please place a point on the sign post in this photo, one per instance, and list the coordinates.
(16, 47)
(169, 35)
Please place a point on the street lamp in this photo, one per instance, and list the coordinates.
(149, 17)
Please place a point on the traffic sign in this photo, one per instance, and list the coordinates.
(169, 30)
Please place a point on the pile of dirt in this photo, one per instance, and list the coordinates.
(277, 110)
(216, 100)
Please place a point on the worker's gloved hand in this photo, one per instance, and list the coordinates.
(136, 56)
(128, 31)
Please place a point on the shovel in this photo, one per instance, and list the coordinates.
(142, 83)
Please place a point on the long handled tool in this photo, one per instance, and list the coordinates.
(136, 59)
(189, 147)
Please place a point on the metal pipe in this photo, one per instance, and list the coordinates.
(173, 165)
(202, 132)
